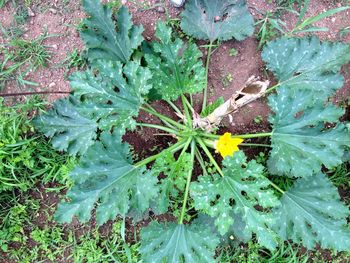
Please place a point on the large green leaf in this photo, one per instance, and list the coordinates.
(307, 64)
(111, 98)
(312, 212)
(240, 191)
(106, 175)
(71, 130)
(300, 141)
(217, 19)
(173, 243)
(175, 173)
(116, 91)
(176, 67)
(100, 36)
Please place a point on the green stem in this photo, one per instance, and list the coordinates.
(201, 161)
(189, 104)
(277, 188)
(175, 108)
(159, 127)
(255, 144)
(211, 158)
(189, 176)
(272, 88)
(184, 149)
(187, 113)
(205, 92)
(243, 136)
(164, 118)
(174, 148)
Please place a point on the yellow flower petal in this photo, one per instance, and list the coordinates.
(226, 145)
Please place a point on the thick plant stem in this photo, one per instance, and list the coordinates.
(164, 118)
(201, 161)
(210, 156)
(187, 113)
(164, 121)
(175, 108)
(159, 127)
(242, 136)
(174, 148)
(189, 105)
(188, 182)
(205, 92)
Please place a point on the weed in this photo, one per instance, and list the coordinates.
(94, 248)
(75, 59)
(340, 175)
(114, 5)
(272, 26)
(227, 80)
(22, 56)
(29, 51)
(344, 31)
(233, 52)
(258, 119)
(25, 157)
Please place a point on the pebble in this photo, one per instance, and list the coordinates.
(53, 11)
(52, 84)
(123, 2)
(161, 9)
(333, 19)
(55, 46)
(30, 12)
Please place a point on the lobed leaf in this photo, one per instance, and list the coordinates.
(110, 98)
(217, 19)
(174, 243)
(71, 130)
(176, 67)
(106, 175)
(311, 212)
(307, 64)
(116, 91)
(175, 173)
(301, 143)
(239, 192)
(100, 36)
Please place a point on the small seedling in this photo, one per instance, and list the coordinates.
(233, 52)
(227, 80)
(258, 119)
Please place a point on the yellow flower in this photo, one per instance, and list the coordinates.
(226, 145)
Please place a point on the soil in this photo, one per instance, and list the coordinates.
(60, 19)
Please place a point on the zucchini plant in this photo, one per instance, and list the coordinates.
(126, 73)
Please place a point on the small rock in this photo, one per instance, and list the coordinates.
(53, 11)
(52, 84)
(123, 2)
(31, 22)
(333, 19)
(148, 38)
(55, 46)
(30, 12)
(161, 9)
(217, 18)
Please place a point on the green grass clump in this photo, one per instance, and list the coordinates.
(26, 158)
(20, 57)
